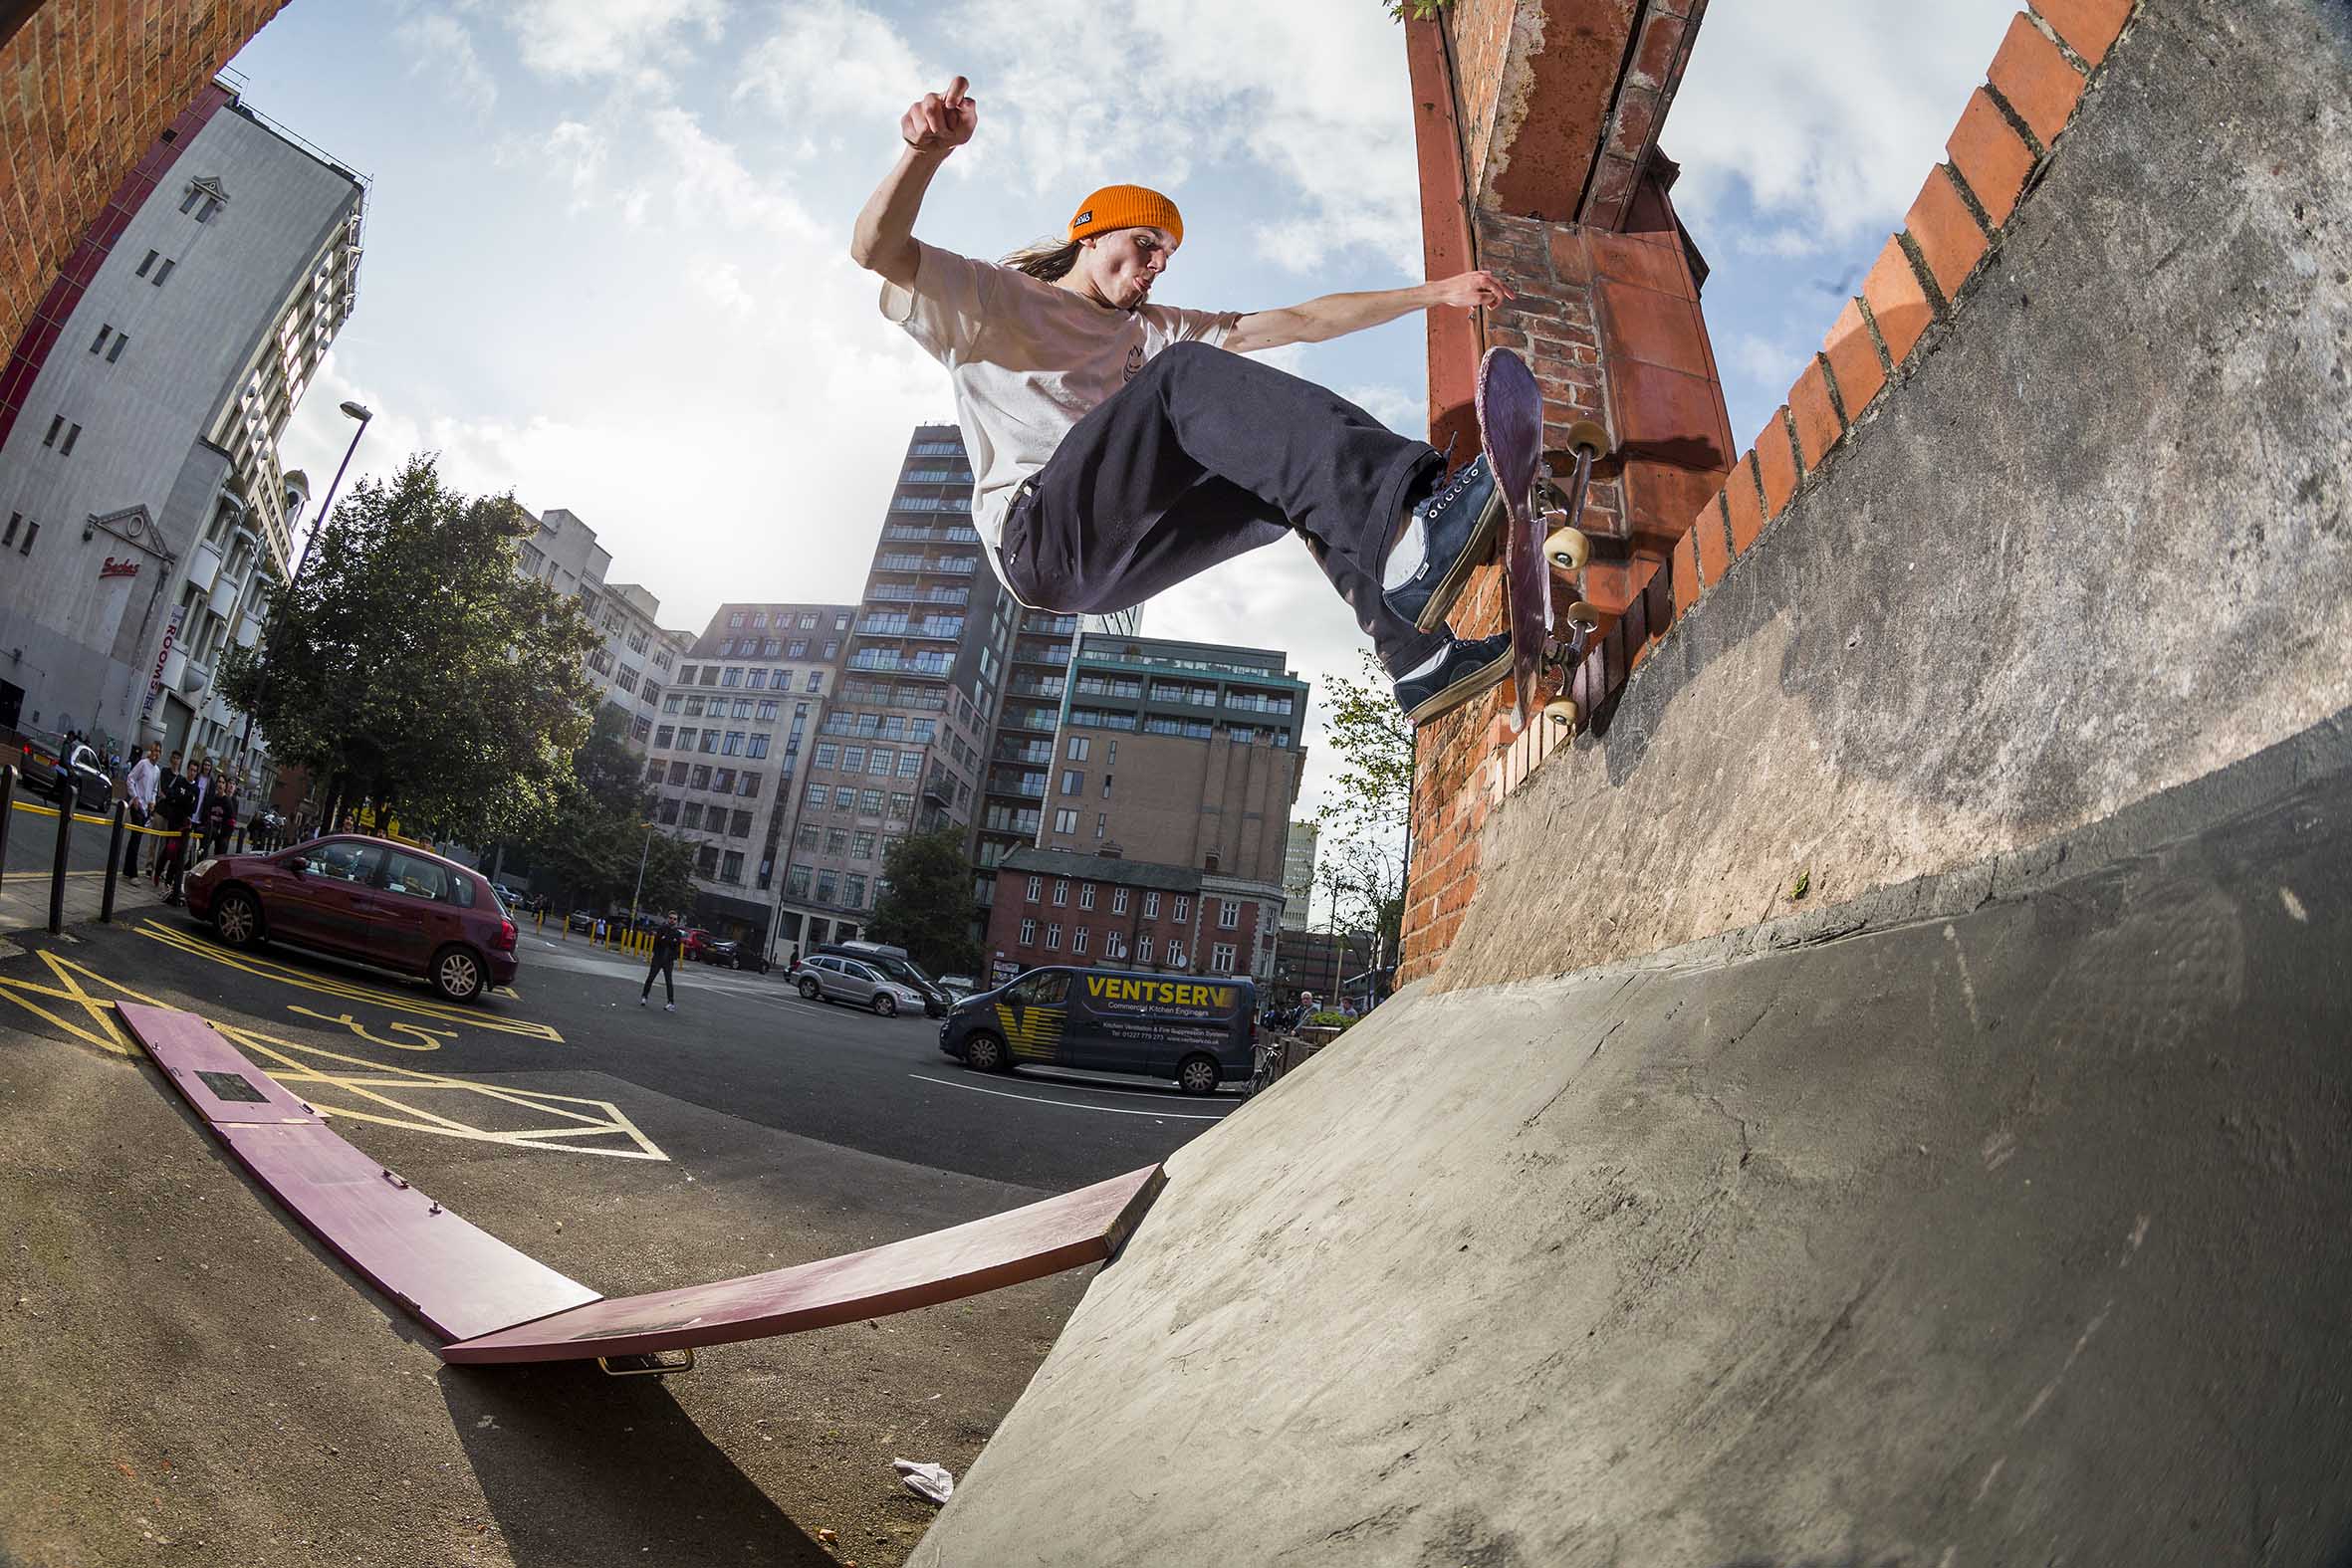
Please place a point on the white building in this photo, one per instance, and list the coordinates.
(1299, 874)
(637, 660)
(140, 419)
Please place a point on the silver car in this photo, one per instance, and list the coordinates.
(826, 978)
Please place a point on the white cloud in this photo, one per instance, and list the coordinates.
(442, 46)
(577, 152)
(1407, 413)
(1829, 113)
(834, 63)
(634, 40)
(1771, 364)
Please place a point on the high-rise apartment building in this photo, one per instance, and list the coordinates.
(634, 665)
(903, 746)
(723, 756)
(1298, 875)
(144, 512)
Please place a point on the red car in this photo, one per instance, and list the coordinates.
(367, 899)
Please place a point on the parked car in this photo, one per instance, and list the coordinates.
(730, 955)
(580, 920)
(367, 899)
(828, 976)
(896, 963)
(45, 769)
(1199, 1032)
(958, 986)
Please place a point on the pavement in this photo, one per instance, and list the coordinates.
(193, 1380)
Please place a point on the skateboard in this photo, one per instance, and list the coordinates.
(1542, 536)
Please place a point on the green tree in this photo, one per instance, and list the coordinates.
(589, 843)
(1363, 822)
(414, 666)
(926, 902)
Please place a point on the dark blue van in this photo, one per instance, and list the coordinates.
(1198, 1033)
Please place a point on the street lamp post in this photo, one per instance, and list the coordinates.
(634, 893)
(363, 414)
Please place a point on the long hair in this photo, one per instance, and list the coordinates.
(1046, 260)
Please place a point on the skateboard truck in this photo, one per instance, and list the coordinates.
(657, 1365)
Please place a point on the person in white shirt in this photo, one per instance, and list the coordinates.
(141, 788)
(1121, 446)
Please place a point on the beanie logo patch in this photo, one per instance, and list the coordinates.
(1083, 219)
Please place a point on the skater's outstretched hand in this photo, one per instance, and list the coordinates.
(940, 122)
(1468, 289)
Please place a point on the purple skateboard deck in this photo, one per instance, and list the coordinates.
(502, 1305)
(460, 1281)
(1510, 427)
(1082, 1226)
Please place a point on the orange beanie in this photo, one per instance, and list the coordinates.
(1127, 207)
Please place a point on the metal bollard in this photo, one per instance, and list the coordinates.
(106, 902)
(57, 870)
(7, 811)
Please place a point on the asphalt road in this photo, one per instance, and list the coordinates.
(187, 1366)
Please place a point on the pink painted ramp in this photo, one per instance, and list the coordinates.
(460, 1281)
(1045, 1238)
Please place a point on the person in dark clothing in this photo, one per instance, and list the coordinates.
(666, 942)
(176, 806)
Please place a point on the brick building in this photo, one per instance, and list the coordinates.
(1100, 910)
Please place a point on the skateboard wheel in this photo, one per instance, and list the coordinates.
(1562, 712)
(1588, 435)
(1584, 615)
(1567, 550)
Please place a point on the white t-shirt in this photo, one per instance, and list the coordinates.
(1027, 361)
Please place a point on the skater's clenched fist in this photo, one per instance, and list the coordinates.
(940, 122)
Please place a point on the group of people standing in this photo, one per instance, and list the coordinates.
(192, 809)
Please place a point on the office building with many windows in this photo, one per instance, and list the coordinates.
(143, 511)
(634, 665)
(725, 753)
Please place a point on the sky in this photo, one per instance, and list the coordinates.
(607, 240)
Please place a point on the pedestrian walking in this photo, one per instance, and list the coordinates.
(175, 803)
(220, 819)
(667, 939)
(139, 787)
(1123, 446)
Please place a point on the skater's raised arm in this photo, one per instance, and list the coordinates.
(1337, 315)
(933, 126)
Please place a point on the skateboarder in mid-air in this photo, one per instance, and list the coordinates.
(1123, 446)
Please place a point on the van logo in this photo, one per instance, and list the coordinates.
(1167, 993)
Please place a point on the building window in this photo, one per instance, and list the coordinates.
(1052, 938)
(1066, 821)
(828, 886)
(735, 620)
(1077, 940)
(1114, 946)
(909, 764)
(1061, 891)
(1221, 959)
(734, 746)
(1037, 884)
(1143, 948)
(1151, 904)
(1073, 781)
(1077, 748)
(818, 796)
(902, 807)
(1118, 900)
(827, 754)
(686, 676)
(854, 891)
(758, 747)
(115, 354)
(814, 679)
(16, 519)
(692, 816)
(709, 742)
(100, 342)
(663, 736)
(667, 816)
(805, 837)
(1029, 932)
(1101, 824)
(1175, 954)
(861, 847)
(853, 759)
(739, 825)
(881, 762)
(162, 271)
(870, 801)
(731, 866)
(1229, 914)
(796, 881)
(1181, 910)
(833, 650)
(723, 780)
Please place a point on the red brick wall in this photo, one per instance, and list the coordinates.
(83, 90)
(1198, 931)
(1608, 316)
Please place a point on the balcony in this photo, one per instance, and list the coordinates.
(1028, 751)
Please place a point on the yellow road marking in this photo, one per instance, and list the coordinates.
(354, 1087)
(427, 1042)
(344, 989)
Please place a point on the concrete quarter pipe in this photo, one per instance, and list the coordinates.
(1995, 1213)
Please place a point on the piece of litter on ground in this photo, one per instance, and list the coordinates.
(927, 1480)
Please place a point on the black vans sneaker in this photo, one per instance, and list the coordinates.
(1447, 534)
(1454, 674)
